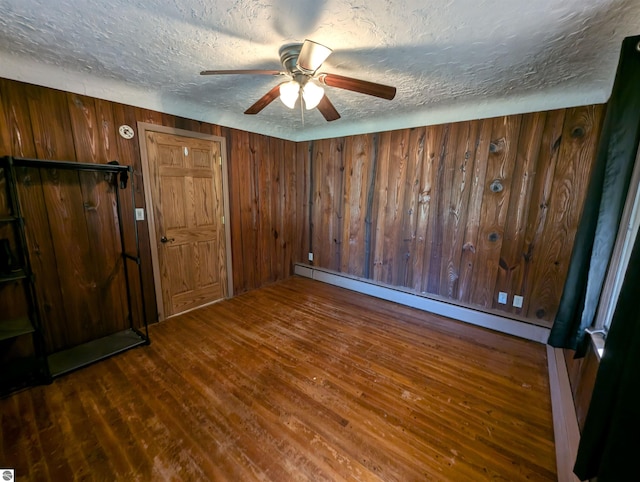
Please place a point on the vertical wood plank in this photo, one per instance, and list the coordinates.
(469, 248)
(235, 211)
(43, 259)
(502, 153)
(51, 124)
(304, 191)
(67, 223)
(108, 150)
(65, 211)
(6, 229)
(5, 133)
(181, 123)
(323, 227)
(150, 116)
(257, 215)
(249, 216)
(573, 169)
(415, 159)
(128, 153)
(109, 294)
(461, 164)
(394, 246)
(277, 203)
(263, 187)
(338, 201)
(370, 210)
(43, 262)
(433, 138)
(14, 98)
(357, 171)
(380, 270)
(436, 222)
(289, 215)
(446, 226)
(512, 262)
(540, 200)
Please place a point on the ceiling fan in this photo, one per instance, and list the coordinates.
(301, 63)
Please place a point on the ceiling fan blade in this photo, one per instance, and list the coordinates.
(264, 101)
(355, 85)
(312, 55)
(250, 72)
(327, 109)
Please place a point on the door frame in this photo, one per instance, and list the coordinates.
(143, 128)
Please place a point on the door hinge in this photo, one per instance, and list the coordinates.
(222, 219)
(220, 160)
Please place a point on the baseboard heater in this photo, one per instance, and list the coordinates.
(405, 297)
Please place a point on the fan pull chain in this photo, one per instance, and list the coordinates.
(301, 107)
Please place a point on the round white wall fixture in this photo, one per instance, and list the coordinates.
(126, 131)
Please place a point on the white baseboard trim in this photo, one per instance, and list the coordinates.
(565, 422)
(460, 313)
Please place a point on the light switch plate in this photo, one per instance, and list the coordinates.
(502, 298)
(139, 214)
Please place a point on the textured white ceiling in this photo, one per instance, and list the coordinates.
(449, 59)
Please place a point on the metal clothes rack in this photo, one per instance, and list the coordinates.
(84, 354)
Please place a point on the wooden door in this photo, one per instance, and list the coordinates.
(185, 180)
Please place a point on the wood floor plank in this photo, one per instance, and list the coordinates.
(295, 381)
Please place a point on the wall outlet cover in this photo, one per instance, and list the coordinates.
(517, 301)
(139, 214)
(310, 256)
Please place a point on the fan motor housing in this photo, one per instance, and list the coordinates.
(289, 57)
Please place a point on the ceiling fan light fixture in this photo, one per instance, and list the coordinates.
(312, 94)
(312, 55)
(289, 93)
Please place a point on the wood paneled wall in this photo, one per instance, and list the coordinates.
(460, 211)
(269, 180)
(74, 260)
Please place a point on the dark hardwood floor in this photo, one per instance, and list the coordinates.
(295, 381)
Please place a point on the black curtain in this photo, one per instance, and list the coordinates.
(604, 204)
(610, 440)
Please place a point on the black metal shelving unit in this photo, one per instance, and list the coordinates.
(20, 371)
(62, 362)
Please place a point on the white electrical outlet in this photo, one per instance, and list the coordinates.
(139, 214)
(517, 301)
(502, 298)
(310, 256)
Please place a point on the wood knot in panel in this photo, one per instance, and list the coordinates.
(26, 180)
(496, 146)
(496, 186)
(503, 264)
(469, 247)
(493, 237)
(577, 132)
